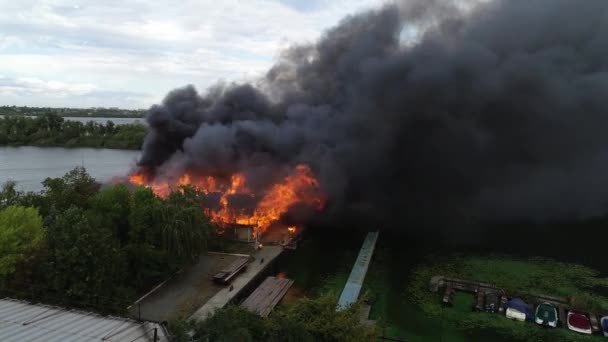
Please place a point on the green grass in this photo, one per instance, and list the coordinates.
(535, 276)
(396, 314)
(317, 269)
(463, 302)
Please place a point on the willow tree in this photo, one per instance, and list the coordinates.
(185, 228)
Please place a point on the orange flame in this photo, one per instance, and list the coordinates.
(137, 179)
(299, 187)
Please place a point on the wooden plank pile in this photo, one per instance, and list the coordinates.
(267, 295)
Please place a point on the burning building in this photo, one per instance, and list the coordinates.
(230, 201)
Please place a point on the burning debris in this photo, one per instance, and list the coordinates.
(424, 111)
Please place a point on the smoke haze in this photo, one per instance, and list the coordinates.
(420, 111)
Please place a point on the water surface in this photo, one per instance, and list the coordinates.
(29, 166)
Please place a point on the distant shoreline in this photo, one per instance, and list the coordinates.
(52, 130)
(74, 112)
(83, 116)
(75, 146)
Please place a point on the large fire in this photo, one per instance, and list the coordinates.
(298, 187)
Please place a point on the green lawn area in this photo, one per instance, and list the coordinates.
(407, 310)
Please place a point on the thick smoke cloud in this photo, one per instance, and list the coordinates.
(422, 111)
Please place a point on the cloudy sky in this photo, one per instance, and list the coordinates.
(129, 53)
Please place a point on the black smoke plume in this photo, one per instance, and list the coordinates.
(418, 112)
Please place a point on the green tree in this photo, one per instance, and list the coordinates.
(85, 263)
(231, 323)
(50, 122)
(184, 228)
(148, 261)
(302, 321)
(20, 232)
(112, 205)
(9, 195)
(73, 189)
(317, 320)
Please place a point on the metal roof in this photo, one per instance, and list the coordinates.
(353, 286)
(22, 321)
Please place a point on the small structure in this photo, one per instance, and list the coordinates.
(353, 286)
(267, 295)
(240, 232)
(227, 274)
(22, 321)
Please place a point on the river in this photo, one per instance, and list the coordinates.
(29, 166)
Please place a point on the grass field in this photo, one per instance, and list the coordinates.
(522, 277)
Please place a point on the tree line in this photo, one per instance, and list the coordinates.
(78, 244)
(53, 130)
(74, 112)
(301, 321)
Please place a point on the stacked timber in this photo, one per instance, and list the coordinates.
(267, 295)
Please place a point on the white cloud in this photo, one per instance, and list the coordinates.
(36, 92)
(34, 86)
(150, 47)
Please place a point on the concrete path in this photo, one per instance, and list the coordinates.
(182, 295)
(353, 286)
(225, 295)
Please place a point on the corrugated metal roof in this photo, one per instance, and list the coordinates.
(353, 286)
(22, 321)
